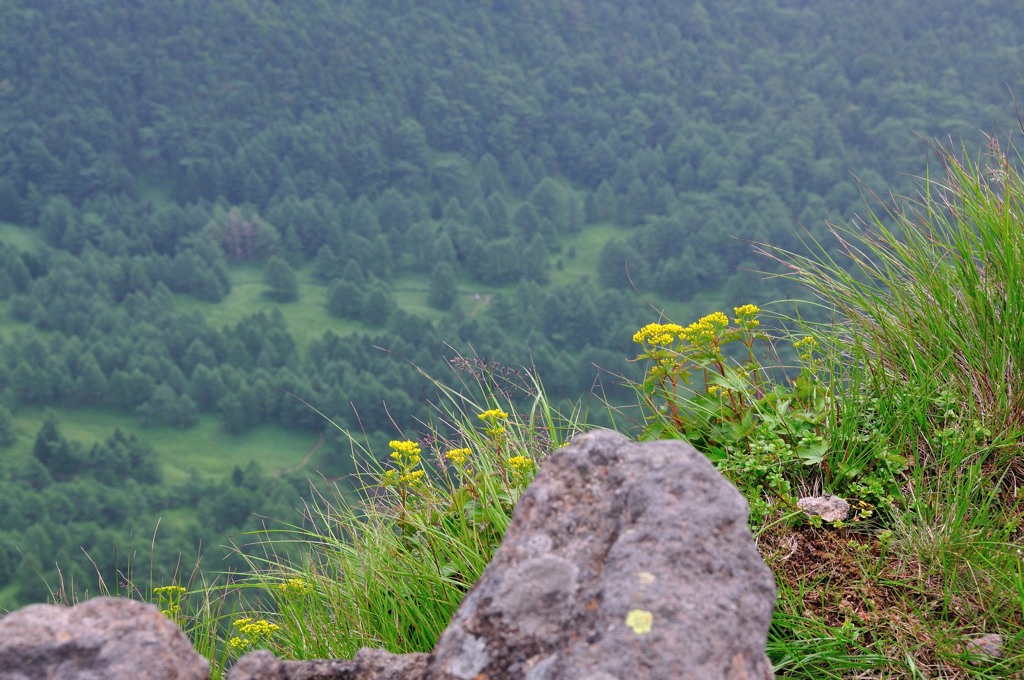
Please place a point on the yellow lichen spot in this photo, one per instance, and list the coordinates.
(640, 621)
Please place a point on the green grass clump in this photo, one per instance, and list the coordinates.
(388, 564)
(925, 356)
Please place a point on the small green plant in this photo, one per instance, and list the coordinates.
(169, 601)
(770, 434)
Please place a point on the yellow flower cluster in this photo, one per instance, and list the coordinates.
(254, 630)
(701, 332)
(663, 334)
(805, 347)
(172, 596)
(406, 450)
(705, 329)
(806, 342)
(413, 477)
(745, 316)
(458, 456)
(295, 586)
(521, 463)
(406, 455)
(492, 416)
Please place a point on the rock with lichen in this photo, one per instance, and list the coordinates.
(622, 560)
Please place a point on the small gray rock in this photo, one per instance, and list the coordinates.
(98, 639)
(829, 508)
(985, 648)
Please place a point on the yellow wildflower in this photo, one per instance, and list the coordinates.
(746, 310)
(411, 477)
(458, 456)
(407, 448)
(806, 347)
(295, 586)
(745, 316)
(706, 329)
(657, 334)
(258, 628)
(521, 463)
(493, 414)
(806, 342)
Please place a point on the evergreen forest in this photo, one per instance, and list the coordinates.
(224, 223)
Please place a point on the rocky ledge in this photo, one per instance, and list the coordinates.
(623, 561)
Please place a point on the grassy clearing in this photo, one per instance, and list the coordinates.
(20, 237)
(306, 317)
(205, 447)
(587, 246)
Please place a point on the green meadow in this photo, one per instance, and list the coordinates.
(205, 447)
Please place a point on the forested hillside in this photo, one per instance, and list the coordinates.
(207, 207)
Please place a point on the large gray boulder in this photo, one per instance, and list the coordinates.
(96, 640)
(623, 561)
